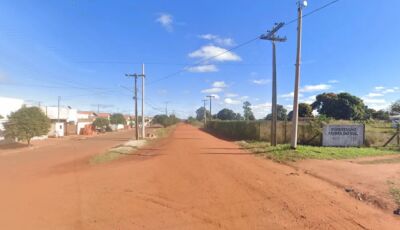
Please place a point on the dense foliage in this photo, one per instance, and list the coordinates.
(281, 113)
(228, 114)
(247, 113)
(26, 123)
(117, 119)
(395, 107)
(165, 120)
(200, 114)
(238, 130)
(340, 106)
(101, 123)
(305, 110)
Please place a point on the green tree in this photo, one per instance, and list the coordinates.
(281, 113)
(247, 113)
(395, 107)
(165, 120)
(305, 110)
(27, 123)
(227, 114)
(101, 123)
(380, 115)
(200, 114)
(340, 106)
(1, 117)
(117, 119)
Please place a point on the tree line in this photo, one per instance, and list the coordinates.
(339, 106)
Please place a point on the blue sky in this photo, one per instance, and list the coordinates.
(80, 50)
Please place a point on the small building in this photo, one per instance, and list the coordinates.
(63, 120)
(85, 120)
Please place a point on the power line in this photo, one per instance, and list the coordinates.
(237, 46)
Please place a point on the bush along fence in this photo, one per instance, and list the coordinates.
(309, 132)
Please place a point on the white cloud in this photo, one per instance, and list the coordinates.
(376, 103)
(219, 84)
(218, 40)
(202, 69)
(375, 95)
(261, 110)
(231, 95)
(216, 96)
(379, 88)
(212, 90)
(289, 95)
(166, 20)
(215, 53)
(261, 81)
(389, 91)
(333, 81)
(314, 88)
(231, 101)
(244, 98)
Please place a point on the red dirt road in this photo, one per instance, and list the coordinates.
(190, 180)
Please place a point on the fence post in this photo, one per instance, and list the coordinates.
(398, 134)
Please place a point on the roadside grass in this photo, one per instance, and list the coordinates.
(394, 191)
(395, 160)
(127, 149)
(283, 153)
(112, 154)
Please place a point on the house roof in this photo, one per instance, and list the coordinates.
(85, 112)
(106, 115)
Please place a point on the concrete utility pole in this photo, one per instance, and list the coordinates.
(143, 120)
(295, 118)
(211, 97)
(166, 107)
(58, 109)
(271, 37)
(205, 111)
(135, 76)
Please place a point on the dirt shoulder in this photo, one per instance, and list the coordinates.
(368, 179)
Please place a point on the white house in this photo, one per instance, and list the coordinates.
(59, 117)
(7, 106)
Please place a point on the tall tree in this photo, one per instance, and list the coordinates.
(340, 106)
(305, 110)
(247, 113)
(200, 114)
(117, 119)
(101, 123)
(281, 113)
(227, 114)
(26, 123)
(395, 107)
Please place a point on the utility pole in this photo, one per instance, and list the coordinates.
(205, 111)
(166, 108)
(271, 37)
(58, 108)
(143, 124)
(295, 118)
(211, 97)
(135, 76)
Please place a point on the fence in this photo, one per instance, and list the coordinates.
(377, 133)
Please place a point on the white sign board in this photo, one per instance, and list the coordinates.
(343, 135)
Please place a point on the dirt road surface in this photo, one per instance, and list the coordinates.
(190, 180)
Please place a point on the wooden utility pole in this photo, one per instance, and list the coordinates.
(210, 97)
(135, 76)
(271, 37)
(205, 111)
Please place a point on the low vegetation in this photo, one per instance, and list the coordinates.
(394, 190)
(128, 148)
(283, 153)
(26, 123)
(165, 120)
